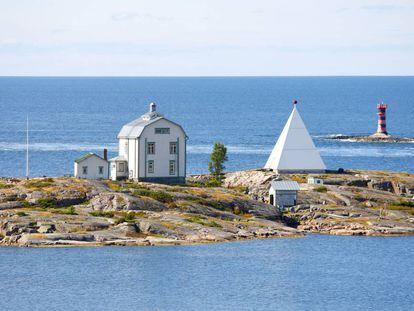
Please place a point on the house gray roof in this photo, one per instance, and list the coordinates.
(86, 156)
(118, 159)
(285, 185)
(135, 128)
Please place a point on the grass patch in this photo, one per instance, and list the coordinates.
(21, 214)
(126, 217)
(66, 211)
(113, 185)
(39, 184)
(321, 189)
(102, 214)
(160, 196)
(47, 203)
(299, 179)
(404, 204)
(5, 186)
(203, 221)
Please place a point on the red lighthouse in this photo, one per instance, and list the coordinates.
(382, 125)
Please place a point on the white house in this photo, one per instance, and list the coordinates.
(283, 193)
(92, 166)
(295, 151)
(151, 148)
(312, 180)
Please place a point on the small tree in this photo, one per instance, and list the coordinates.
(216, 164)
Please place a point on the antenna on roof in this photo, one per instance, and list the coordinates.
(295, 102)
(27, 147)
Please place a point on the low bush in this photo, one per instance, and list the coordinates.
(66, 211)
(47, 203)
(321, 189)
(5, 186)
(404, 203)
(126, 217)
(38, 184)
(21, 214)
(102, 214)
(160, 196)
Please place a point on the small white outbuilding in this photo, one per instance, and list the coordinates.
(283, 193)
(312, 180)
(91, 166)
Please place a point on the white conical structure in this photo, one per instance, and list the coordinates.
(294, 150)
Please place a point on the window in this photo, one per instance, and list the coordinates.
(84, 170)
(100, 170)
(172, 167)
(162, 130)
(151, 148)
(151, 166)
(121, 167)
(173, 148)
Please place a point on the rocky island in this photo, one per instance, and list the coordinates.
(75, 212)
(371, 138)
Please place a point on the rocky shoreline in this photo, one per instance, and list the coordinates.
(45, 212)
(372, 138)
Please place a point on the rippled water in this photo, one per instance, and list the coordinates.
(312, 273)
(70, 116)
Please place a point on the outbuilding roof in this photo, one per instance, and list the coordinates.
(285, 185)
(86, 156)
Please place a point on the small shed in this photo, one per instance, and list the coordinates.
(283, 193)
(312, 180)
(91, 166)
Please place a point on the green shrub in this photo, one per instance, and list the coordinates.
(102, 214)
(38, 184)
(66, 211)
(5, 186)
(47, 203)
(21, 214)
(404, 203)
(160, 196)
(321, 189)
(126, 217)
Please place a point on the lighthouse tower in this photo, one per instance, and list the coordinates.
(382, 124)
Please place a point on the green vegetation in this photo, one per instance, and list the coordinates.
(203, 221)
(113, 185)
(321, 189)
(205, 202)
(47, 203)
(5, 186)
(21, 214)
(126, 217)
(39, 184)
(66, 211)
(404, 204)
(216, 164)
(102, 214)
(157, 195)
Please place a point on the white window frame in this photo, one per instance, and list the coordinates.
(173, 147)
(150, 148)
(162, 130)
(173, 166)
(150, 166)
(121, 165)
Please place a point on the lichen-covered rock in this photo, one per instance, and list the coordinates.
(111, 201)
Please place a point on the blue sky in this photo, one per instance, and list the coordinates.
(206, 38)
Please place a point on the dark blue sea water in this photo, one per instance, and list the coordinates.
(312, 273)
(70, 116)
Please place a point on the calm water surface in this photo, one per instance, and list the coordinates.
(312, 273)
(71, 116)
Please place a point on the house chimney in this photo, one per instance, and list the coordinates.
(153, 107)
(105, 154)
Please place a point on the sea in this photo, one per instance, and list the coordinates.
(312, 273)
(71, 116)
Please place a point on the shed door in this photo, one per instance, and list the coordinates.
(272, 199)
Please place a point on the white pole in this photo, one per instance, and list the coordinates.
(27, 147)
